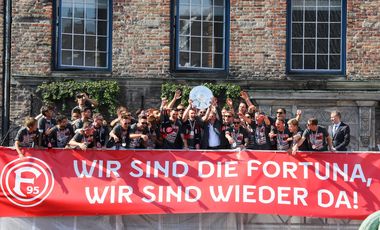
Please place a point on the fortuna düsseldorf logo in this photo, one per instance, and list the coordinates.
(27, 182)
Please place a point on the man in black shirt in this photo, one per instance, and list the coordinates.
(296, 134)
(317, 137)
(45, 125)
(62, 133)
(100, 132)
(279, 136)
(84, 138)
(27, 136)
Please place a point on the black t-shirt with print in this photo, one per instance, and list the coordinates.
(192, 131)
(137, 143)
(259, 136)
(170, 132)
(43, 125)
(280, 141)
(26, 138)
(81, 138)
(123, 135)
(100, 135)
(60, 137)
(239, 136)
(316, 140)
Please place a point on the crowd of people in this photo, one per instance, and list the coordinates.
(180, 127)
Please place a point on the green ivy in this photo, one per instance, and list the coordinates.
(63, 94)
(221, 91)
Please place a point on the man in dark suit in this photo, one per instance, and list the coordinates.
(339, 131)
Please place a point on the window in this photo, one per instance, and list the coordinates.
(316, 36)
(201, 34)
(84, 37)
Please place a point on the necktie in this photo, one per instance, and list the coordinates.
(334, 129)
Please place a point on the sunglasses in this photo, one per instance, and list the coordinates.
(237, 123)
(144, 123)
(227, 116)
(279, 112)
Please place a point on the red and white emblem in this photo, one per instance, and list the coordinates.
(27, 182)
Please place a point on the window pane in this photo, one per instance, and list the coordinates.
(297, 30)
(218, 27)
(310, 15)
(322, 46)
(335, 30)
(323, 2)
(79, 26)
(309, 46)
(184, 12)
(323, 30)
(323, 15)
(78, 42)
(90, 42)
(67, 9)
(195, 59)
(207, 14)
(90, 59)
(102, 44)
(184, 43)
(335, 46)
(335, 15)
(297, 3)
(218, 45)
(184, 2)
(219, 14)
(67, 42)
(310, 30)
(207, 3)
(297, 15)
(219, 2)
(322, 62)
(195, 44)
(207, 45)
(310, 2)
(102, 11)
(207, 28)
(207, 60)
(66, 58)
(78, 58)
(196, 28)
(91, 27)
(195, 13)
(297, 46)
(67, 25)
(184, 59)
(335, 62)
(218, 61)
(102, 28)
(195, 2)
(335, 2)
(309, 62)
(101, 59)
(297, 62)
(90, 11)
(79, 10)
(184, 27)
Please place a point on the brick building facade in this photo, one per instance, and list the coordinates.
(143, 50)
(256, 37)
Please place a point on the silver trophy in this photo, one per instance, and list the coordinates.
(201, 97)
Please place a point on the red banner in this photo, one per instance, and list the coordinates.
(57, 182)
